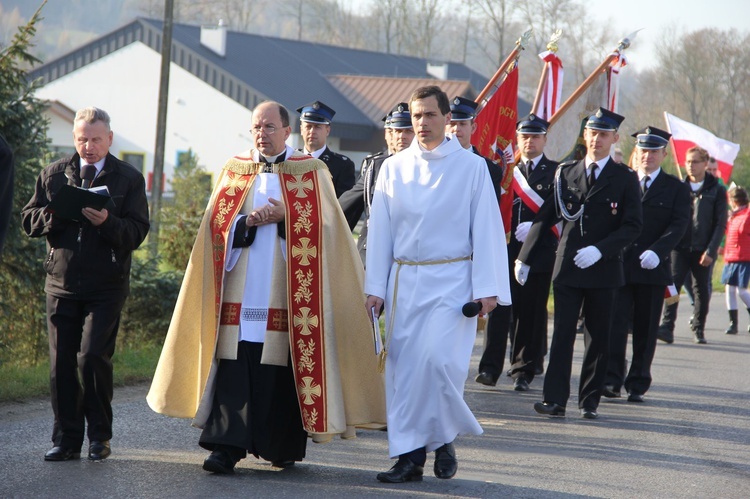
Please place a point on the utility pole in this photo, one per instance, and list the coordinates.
(161, 128)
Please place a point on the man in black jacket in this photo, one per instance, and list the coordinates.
(315, 126)
(358, 199)
(88, 273)
(700, 245)
(666, 211)
(600, 203)
(535, 174)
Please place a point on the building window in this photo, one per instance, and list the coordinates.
(137, 159)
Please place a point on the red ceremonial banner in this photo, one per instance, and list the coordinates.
(496, 134)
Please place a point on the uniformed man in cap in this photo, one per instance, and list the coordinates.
(357, 200)
(666, 212)
(463, 126)
(315, 126)
(534, 175)
(599, 202)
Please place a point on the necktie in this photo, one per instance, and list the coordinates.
(528, 168)
(592, 175)
(646, 181)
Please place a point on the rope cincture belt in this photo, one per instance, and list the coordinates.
(389, 331)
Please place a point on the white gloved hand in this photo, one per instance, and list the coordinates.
(521, 270)
(649, 260)
(586, 257)
(522, 231)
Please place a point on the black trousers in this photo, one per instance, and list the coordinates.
(255, 409)
(496, 341)
(684, 262)
(639, 305)
(529, 325)
(597, 304)
(82, 335)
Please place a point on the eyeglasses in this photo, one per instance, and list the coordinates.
(268, 130)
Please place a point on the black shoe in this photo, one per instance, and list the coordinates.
(635, 397)
(610, 392)
(486, 378)
(699, 338)
(99, 450)
(403, 471)
(549, 409)
(219, 462)
(446, 464)
(61, 453)
(589, 413)
(538, 370)
(282, 464)
(665, 334)
(520, 384)
(509, 372)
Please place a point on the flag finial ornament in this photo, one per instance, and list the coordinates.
(552, 44)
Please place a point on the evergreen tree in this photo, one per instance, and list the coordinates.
(181, 220)
(23, 338)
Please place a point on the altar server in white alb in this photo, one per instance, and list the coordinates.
(435, 243)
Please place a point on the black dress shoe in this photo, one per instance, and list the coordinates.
(403, 471)
(446, 463)
(664, 334)
(219, 462)
(61, 453)
(610, 392)
(282, 463)
(549, 409)
(589, 413)
(99, 450)
(538, 371)
(486, 378)
(635, 397)
(520, 384)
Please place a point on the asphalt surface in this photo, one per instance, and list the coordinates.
(691, 438)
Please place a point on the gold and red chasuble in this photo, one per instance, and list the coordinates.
(305, 295)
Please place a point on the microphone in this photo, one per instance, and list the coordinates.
(471, 309)
(88, 173)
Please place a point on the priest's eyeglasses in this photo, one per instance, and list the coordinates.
(268, 130)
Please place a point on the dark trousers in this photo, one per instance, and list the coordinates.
(255, 409)
(496, 341)
(682, 263)
(598, 304)
(82, 336)
(639, 305)
(529, 326)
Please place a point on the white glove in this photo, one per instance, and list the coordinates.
(522, 231)
(649, 260)
(586, 257)
(521, 270)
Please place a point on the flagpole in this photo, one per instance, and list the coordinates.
(511, 59)
(622, 45)
(552, 47)
(674, 149)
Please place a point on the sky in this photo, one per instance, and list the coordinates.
(654, 16)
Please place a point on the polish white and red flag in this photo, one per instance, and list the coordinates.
(686, 135)
(551, 94)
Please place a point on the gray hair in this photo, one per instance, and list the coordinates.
(92, 115)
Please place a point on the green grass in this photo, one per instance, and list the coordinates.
(130, 366)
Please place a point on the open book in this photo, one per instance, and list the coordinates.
(70, 200)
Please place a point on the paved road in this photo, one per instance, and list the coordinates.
(690, 439)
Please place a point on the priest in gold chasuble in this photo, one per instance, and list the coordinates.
(268, 344)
